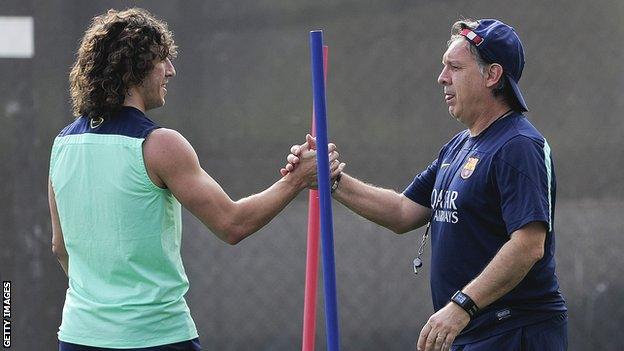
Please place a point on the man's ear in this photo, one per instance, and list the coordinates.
(493, 75)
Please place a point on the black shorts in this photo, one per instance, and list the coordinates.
(549, 335)
(189, 345)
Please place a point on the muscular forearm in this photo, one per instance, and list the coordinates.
(254, 212)
(506, 270)
(382, 206)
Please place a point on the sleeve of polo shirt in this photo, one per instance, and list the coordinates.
(421, 187)
(522, 171)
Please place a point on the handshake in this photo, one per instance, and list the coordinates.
(301, 163)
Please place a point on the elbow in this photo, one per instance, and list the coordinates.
(233, 238)
(532, 254)
(399, 228)
(536, 251)
(537, 254)
(233, 227)
(228, 236)
(232, 234)
(403, 226)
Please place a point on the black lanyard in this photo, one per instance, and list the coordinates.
(437, 201)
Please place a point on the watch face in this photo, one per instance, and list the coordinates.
(461, 298)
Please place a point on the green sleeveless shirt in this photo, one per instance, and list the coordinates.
(122, 234)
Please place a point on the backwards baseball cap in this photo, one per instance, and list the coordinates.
(499, 43)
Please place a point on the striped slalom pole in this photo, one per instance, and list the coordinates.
(311, 279)
(327, 233)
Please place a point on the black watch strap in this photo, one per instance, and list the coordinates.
(334, 186)
(464, 301)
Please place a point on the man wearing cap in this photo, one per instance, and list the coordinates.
(489, 197)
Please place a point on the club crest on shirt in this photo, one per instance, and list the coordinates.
(469, 167)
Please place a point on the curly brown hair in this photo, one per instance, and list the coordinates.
(117, 52)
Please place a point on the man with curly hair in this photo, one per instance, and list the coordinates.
(117, 184)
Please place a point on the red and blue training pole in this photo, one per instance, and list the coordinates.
(311, 279)
(327, 232)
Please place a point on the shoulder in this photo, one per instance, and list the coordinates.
(455, 141)
(521, 142)
(458, 138)
(166, 136)
(524, 154)
(167, 141)
(521, 130)
(166, 148)
(519, 136)
(522, 126)
(78, 126)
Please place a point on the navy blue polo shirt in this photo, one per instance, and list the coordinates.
(482, 189)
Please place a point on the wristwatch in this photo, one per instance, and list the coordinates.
(334, 186)
(464, 301)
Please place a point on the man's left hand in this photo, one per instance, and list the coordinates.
(442, 328)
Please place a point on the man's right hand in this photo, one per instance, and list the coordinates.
(385, 207)
(301, 155)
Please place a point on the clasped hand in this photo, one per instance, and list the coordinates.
(302, 162)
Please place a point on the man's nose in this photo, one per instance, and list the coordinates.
(170, 72)
(444, 78)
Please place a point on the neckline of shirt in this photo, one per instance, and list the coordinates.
(484, 131)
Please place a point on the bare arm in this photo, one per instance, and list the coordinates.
(506, 270)
(58, 244)
(383, 206)
(172, 162)
(510, 265)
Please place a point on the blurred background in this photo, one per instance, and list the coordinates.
(242, 97)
